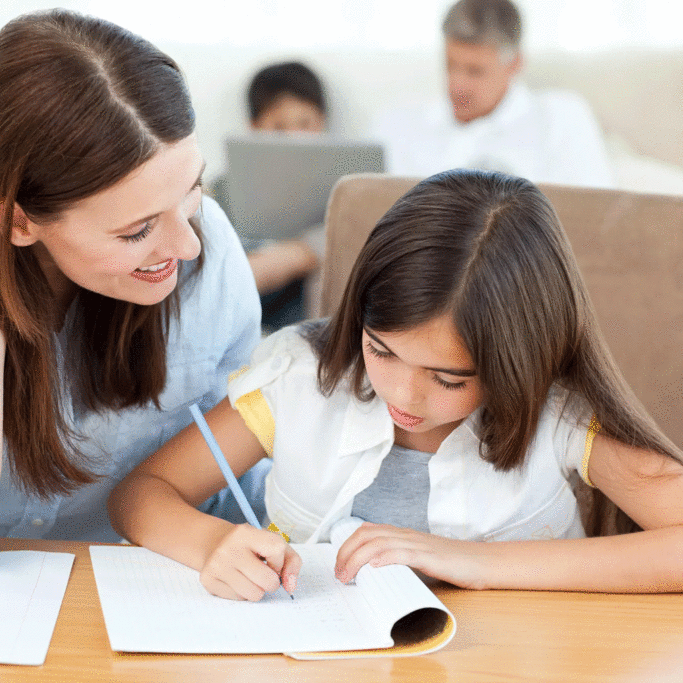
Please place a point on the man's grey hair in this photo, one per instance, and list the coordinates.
(485, 22)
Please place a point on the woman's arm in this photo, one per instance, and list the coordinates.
(648, 487)
(155, 506)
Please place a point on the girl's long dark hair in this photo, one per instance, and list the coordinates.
(84, 102)
(488, 249)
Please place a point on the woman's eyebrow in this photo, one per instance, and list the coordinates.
(458, 372)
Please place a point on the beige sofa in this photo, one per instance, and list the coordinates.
(630, 250)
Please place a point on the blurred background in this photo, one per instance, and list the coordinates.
(624, 56)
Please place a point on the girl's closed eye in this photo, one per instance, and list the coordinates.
(377, 352)
(448, 385)
(138, 236)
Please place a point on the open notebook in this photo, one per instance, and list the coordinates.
(153, 604)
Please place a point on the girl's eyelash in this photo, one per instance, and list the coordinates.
(138, 236)
(441, 382)
(376, 352)
(448, 385)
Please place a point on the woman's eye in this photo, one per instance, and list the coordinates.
(194, 200)
(448, 385)
(147, 228)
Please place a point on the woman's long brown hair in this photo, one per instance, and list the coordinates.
(84, 102)
(489, 250)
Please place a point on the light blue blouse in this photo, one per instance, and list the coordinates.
(218, 327)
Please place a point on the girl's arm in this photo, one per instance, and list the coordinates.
(155, 506)
(647, 486)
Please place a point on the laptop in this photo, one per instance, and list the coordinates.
(277, 186)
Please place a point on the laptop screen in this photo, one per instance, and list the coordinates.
(277, 186)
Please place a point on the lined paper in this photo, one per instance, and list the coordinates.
(153, 604)
(32, 587)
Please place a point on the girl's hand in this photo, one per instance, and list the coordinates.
(380, 544)
(247, 563)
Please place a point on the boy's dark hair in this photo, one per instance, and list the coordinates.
(285, 78)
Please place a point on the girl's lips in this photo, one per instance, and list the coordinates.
(157, 275)
(404, 419)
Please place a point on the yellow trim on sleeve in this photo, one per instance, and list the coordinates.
(593, 429)
(236, 373)
(256, 414)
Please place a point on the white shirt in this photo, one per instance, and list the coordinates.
(218, 328)
(326, 450)
(545, 136)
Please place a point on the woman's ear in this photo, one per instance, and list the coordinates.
(24, 232)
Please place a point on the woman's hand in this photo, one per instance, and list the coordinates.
(380, 544)
(247, 563)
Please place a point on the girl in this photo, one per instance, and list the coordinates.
(103, 284)
(458, 394)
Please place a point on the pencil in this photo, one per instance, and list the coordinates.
(227, 472)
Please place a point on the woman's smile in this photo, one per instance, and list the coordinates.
(156, 273)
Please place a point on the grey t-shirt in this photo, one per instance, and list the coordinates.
(400, 492)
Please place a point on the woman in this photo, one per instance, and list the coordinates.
(125, 295)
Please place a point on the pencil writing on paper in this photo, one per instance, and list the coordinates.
(222, 462)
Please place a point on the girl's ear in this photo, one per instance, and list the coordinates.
(24, 232)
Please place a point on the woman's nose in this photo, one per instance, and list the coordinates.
(183, 241)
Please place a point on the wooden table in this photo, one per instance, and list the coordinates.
(502, 637)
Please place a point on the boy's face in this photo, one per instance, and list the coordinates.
(478, 78)
(289, 114)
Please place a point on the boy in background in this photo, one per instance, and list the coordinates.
(287, 98)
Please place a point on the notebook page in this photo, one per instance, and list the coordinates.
(32, 587)
(153, 604)
(393, 591)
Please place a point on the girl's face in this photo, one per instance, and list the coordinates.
(125, 242)
(427, 378)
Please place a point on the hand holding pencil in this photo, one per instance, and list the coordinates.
(247, 561)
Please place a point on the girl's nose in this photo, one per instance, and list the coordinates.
(409, 390)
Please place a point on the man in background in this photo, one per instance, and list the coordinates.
(490, 119)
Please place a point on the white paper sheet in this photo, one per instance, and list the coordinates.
(32, 587)
(153, 604)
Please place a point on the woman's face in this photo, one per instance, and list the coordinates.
(125, 242)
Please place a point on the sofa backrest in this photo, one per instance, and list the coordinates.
(629, 248)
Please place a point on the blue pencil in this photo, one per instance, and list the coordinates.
(221, 461)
